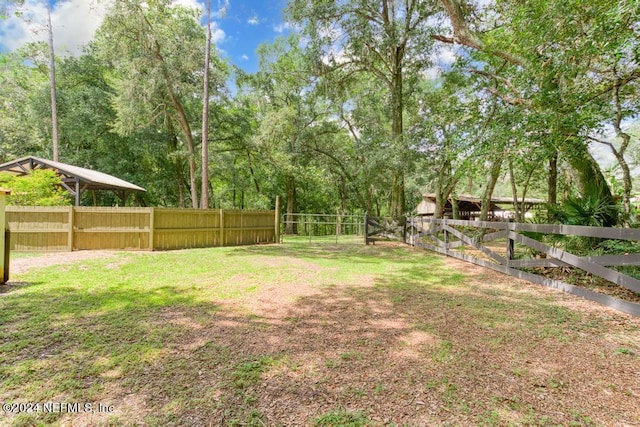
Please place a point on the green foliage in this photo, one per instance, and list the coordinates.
(589, 209)
(249, 373)
(39, 188)
(341, 418)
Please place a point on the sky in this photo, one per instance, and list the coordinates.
(239, 26)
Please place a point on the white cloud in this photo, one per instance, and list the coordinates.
(446, 56)
(74, 24)
(193, 4)
(244, 57)
(217, 34)
(223, 6)
(281, 28)
(253, 20)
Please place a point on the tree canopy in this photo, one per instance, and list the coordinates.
(365, 106)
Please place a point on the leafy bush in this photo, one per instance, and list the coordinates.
(590, 209)
(39, 188)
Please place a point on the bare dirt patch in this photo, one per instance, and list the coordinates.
(23, 264)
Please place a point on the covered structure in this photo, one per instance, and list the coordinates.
(75, 179)
(470, 206)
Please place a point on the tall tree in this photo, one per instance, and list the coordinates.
(204, 191)
(387, 38)
(52, 82)
(155, 47)
(543, 55)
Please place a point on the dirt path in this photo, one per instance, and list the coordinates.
(23, 263)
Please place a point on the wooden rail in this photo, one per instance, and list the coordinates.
(471, 242)
(78, 228)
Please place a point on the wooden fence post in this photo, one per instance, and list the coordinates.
(221, 232)
(276, 222)
(4, 237)
(71, 219)
(446, 236)
(366, 228)
(152, 226)
(510, 250)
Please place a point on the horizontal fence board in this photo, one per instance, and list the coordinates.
(582, 263)
(78, 228)
(569, 230)
(606, 300)
(555, 257)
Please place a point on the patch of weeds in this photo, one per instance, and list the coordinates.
(350, 356)
(379, 388)
(491, 418)
(449, 392)
(455, 279)
(431, 384)
(250, 398)
(331, 363)
(254, 418)
(580, 420)
(533, 418)
(355, 391)
(519, 372)
(443, 353)
(553, 383)
(342, 418)
(553, 332)
(624, 351)
(249, 373)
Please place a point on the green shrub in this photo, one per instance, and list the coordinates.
(39, 188)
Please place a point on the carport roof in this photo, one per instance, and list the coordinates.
(74, 178)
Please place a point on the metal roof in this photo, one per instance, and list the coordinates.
(495, 199)
(90, 179)
(74, 178)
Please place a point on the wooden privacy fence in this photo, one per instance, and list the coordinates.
(493, 245)
(78, 228)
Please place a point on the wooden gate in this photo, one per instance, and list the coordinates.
(385, 228)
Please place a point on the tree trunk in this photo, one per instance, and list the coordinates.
(291, 227)
(626, 140)
(204, 192)
(552, 179)
(438, 210)
(514, 193)
(54, 102)
(589, 172)
(455, 211)
(398, 201)
(494, 174)
(183, 121)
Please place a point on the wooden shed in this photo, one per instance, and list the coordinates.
(469, 206)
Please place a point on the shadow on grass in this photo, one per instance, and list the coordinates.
(356, 254)
(421, 345)
(13, 286)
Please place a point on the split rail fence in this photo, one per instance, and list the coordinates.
(514, 249)
(57, 229)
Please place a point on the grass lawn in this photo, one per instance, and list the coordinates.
(304, 334)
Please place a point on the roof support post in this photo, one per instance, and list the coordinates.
(77, 192)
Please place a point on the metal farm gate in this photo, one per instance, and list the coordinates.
(323, 228)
